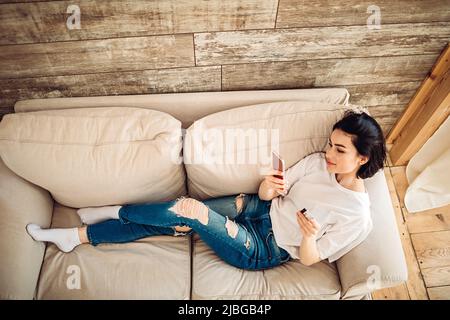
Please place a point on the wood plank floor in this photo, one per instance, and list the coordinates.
(425, 237)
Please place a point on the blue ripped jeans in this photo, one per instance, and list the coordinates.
(243, 239)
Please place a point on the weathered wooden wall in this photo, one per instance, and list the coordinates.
(138, 47)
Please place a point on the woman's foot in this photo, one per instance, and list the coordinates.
(65, 239)
(94, 215)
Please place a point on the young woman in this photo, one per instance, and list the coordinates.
(264, 230)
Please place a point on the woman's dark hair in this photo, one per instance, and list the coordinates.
(368, 139)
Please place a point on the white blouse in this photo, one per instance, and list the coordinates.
(343, 215)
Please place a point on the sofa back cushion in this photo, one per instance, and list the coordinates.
(188, 106)
(96, 156)
(228, 152)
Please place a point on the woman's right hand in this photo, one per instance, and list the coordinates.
(276, 184)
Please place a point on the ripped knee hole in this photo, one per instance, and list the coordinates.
(192, 209)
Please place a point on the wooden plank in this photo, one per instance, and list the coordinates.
(434, 277)
(299, 13)
(439, 293)
(114, 83)
(415, 284)
(437, 219)
(382, 94)
(101, 19)
(428, 85)
(399, 292)
(401, 184)
(214, 48)
(93, 56)
(331, 72)
(192, 79)
(432, 248)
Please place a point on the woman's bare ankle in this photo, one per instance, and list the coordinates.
(82, 234)
(183, 229)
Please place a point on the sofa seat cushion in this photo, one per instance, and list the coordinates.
(212, 278)
(227, 152)
(155, 267)
(96, 156)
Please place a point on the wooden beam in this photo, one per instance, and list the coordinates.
(430, 82)
(427, 110)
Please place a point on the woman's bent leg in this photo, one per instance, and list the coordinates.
(113, 231)
(231, 241)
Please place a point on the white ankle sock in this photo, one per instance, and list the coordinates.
(93, 215)
(66, 239)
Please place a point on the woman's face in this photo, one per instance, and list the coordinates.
(341, 155)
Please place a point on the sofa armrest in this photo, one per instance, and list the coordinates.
(21, 202)
(379, 261)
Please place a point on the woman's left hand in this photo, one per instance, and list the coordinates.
(308, 227)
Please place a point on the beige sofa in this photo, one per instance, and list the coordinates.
(182, 267)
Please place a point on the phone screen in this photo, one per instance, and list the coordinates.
(277, 164)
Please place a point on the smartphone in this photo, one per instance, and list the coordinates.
(277, 164)
(305, 213)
